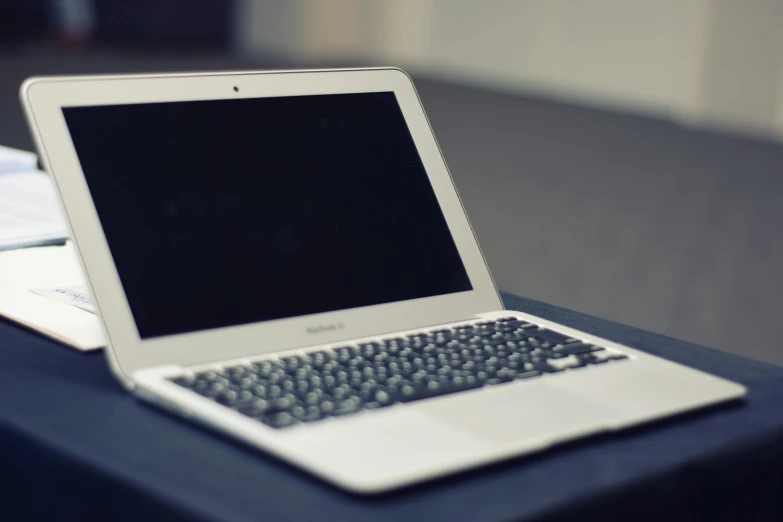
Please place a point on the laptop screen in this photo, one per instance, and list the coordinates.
(228, 212)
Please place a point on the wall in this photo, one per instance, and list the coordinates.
(709, 62)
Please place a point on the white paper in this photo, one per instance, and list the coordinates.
(29, 211)
(47, 267)
(74, 295)
(14, 160)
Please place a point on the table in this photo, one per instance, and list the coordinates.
(75, 445)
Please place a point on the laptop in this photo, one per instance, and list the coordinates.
(283, 257)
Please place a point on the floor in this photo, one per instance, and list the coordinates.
(640, 221)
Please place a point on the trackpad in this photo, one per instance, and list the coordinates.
(511, 413)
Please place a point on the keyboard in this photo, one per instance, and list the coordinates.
(350, 379)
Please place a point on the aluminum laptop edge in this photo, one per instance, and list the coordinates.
(175, 184)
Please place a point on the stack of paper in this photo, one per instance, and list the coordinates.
(15, 160)
(29, 211)
(44, 289)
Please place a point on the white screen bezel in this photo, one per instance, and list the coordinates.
(44, 99)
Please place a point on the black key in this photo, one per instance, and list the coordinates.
(505, 375)
(346, 408)
(214, 389)
(278, 365)
(306, 414)
(513, 321)
(510, 323)
(345, 353)
(435, 389)
(439, 337)
(577, 348)
(480, 335)
(528, 374)
(501, 327)
(243, 397)
(544, 367)
(280, 404)
(254, 408)
(203, 388)
(514, 337)
(439, 341)
(209, 376)
(617, 357)
(312, 398)
(237, 374)
(384, 398)
(549, 335)
(227, 397)
(494, 341)
(186, 381)
(279, 420)
(291, 364)
(274, 391)
(396, 342)
(263, 369)
(318, 360)
(369, 349)
(223, 375)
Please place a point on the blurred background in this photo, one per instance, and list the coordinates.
(618, 157)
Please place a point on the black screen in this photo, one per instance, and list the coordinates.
(227, 212)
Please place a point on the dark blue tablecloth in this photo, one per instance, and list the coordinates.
(74, 445)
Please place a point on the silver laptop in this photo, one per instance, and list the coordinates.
(282, 256)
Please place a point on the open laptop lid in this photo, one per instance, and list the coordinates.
(225, 215)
